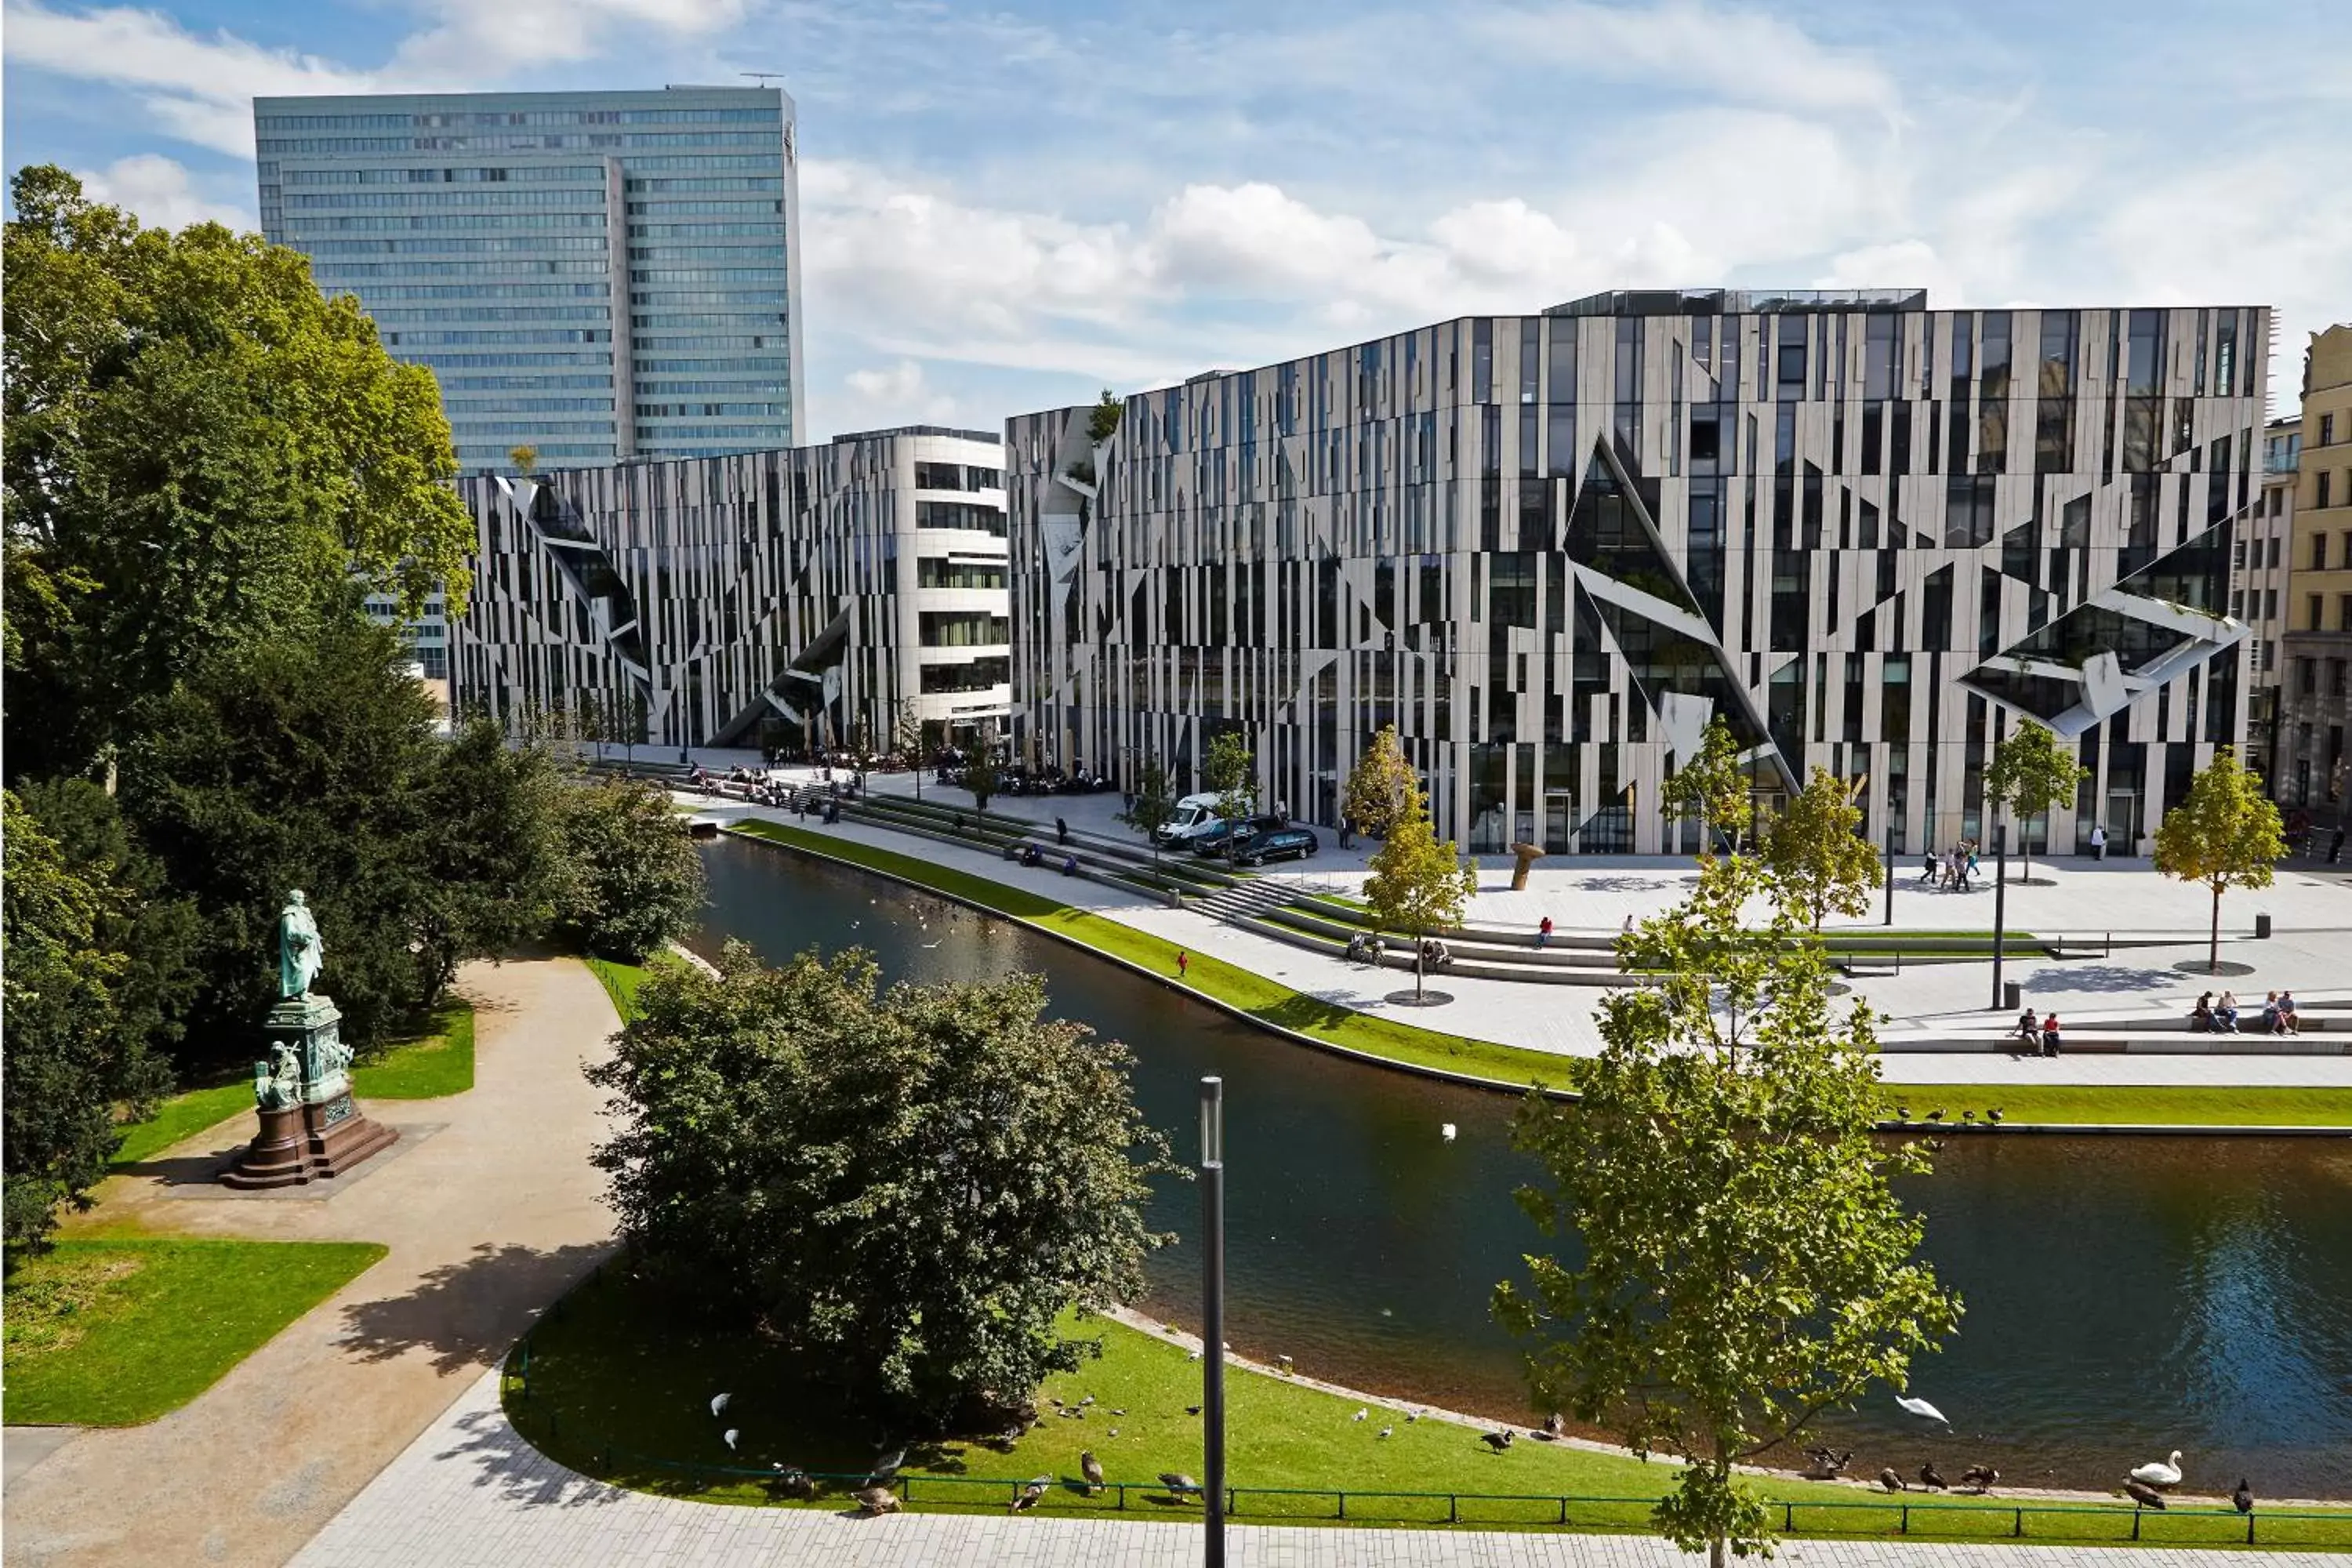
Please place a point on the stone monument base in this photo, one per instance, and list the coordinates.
(301, 1143)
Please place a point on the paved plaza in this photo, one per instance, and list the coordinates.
(470, 1494)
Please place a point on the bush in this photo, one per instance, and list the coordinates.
(633, 880)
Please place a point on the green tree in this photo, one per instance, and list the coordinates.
(525, 459)
(1746, 1263)
(633, 879)
(1102, 419)
(493, 864)
(1714, 786)
(982, 774)
(2030, 774)
(1820, 863)
(70, 1058)
(200, 452)
(908, 1187)
(1229, 771)
(1381, 787)
(907, 737)
(1418, 883)
(1153, 806)
(2225, 835)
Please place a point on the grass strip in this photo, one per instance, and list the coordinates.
(1267, 1000)
(617, 1382)
(112, 1332)
(621, 980)
(2147, 1105)
(183, 1116)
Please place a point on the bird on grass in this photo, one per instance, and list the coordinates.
(872, 1501)
(1192, 1410)
(1498, 1441)
(1195, 1356)
(1554, 1424)
(1993, 1115)
(1359, 1415)
(1969, 1116)
(887, 1465)
(2143, 1494)
(1089, 1399)
(1826, 1465)
(1902, 1113)
(1387, 1432)
(1090, 1467)
(1936, 1115)
(2160, 1472)
(1026, 1498)
(1114, 1432)
(1412, 1414)
(1177, 1482)
(1981, 1477)
(1930, 1478)
(718, 1404)
(2244, 1498)
(1892, 1482)
(791, 1481)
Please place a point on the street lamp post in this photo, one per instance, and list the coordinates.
(1999, 908)
(1890, 869)
(1212, 1317)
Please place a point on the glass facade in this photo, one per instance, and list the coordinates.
(556, 257)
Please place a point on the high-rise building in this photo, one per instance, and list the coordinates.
(2260, 595)
(1549, 549)
(2316, 696)
(780, 598)
(593, 275)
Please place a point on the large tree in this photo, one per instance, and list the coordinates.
(2030, 774)
(70, 1058)
(200, 453)
(1745, 1262)
(1713, 786)
(1821, 864)
(632, 876)
(2225, 835)
(1419, 883)
(1381, 787)
(1151, 807)
(1230, 770)
(909, 1187)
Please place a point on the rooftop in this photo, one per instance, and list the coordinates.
(1739, 302)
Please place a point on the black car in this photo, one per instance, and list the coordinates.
(1276, 844)
(1210, 840)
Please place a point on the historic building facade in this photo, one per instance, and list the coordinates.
(775, 597)
(2315, 771)
(1550, 548)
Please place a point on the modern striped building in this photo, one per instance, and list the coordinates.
(776, 597)
(1550, 548)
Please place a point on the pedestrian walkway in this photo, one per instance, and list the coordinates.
(1561, 1020)
(470, 1493)
(490, 1210)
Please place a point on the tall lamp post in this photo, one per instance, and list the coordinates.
(1212, 1317)
(1999, 908)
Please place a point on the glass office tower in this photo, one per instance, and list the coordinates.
(493, 236)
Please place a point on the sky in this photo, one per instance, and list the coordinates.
(1012, 207)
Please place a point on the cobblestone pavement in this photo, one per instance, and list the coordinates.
(470, 1493)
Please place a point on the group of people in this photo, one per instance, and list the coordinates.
(1953, 868)
(2038, 1035)
(2212, 1017)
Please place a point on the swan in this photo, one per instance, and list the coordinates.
(2159, 1472)
(719, 1402)
(1926, 1411)
(1447, 1132)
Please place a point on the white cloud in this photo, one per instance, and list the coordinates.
(896, 393)
(502, 38)
(159, 192)
(200, 89)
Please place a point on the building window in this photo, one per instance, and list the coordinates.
(2323, 478)
(2344, 612)
(2328, 429)
(2306, 676)
(2337, 671)
(2319, 553)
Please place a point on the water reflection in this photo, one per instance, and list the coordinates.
(2125, 1296)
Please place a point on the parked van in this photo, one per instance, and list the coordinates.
(1192, 811)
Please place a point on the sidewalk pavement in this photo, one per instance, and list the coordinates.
(470, 1493)
(1560, 1019)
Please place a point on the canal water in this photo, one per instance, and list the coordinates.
(2125, 1296)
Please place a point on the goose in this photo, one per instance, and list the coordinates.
(2244, 1498)
(2143, 1494)
(1902, 1113)
(1030, 1492)
(872, 1501)
(1981, 1477)
(1930, 1478)
(1090, 1467)
(1554, 1424)
(1177, 1481)
(1921, 1408)
(1114, 1432)
(1089, 1399)
(1498, 1441)
(1386, 1432)
(718, 1404)
(2160, 1472)
(1969, 1116)
(1118, 1410)
(1195, 1356)
(1192, 1410)
(1936, 1115)
(887, 1465)
(1359, 1415)
(1282, 1363)
(791, 1481)
(1892, 1482)
(1993, 1115)
(1412, 1414)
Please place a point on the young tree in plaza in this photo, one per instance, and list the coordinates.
(1713, 786)
(2225, 835)
(1419, 883)
(1381, 788)
(2030, 774)
(1153, 807)
(908, 1188)
(1229, 770)
(980, 774)
(907, 737)
(1821, 865)
(1744, 1262)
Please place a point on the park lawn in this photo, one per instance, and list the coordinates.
(116, 1331)
(421, 1066)
(617, 1382)
(1269, 1001)
(2218, 1105)
(621, 980)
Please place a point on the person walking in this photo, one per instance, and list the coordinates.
(1346, 833)
(1184, 963)
(1060, 831)
(2098, 842)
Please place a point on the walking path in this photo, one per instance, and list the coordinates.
(490, 1209)
(470, 1493)
(2308, 952)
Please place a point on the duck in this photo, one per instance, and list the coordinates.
(1981, 1477)
(1026, 1498)
(1969, 1116)
(1177, 1482)
(2244, 1498)
(1936, 1115)
(873, 1501)
(1827, 1466)
(1994, 1115)
(2143, 1494)
(1892, 1482)
(2165, 1473)
(1090, 1467)
(887, 1465)
(791, 1481)
(1359, 1415)
(1498, 1441)
(1930, 1478)
(1554, 1424)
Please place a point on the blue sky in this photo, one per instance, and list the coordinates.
(1007, 207)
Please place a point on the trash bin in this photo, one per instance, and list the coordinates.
(2012, 996)
(2261, 928)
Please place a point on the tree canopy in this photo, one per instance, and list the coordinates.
(632, 878)
(1382, 787)
(1712, 785)
(1746, 1264)
(910, 1186)
(2030, 774)
(1418, 882)
(2225, 835)
(1821, 864)
(1152, 806)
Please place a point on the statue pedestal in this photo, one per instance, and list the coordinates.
(310, 1127)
